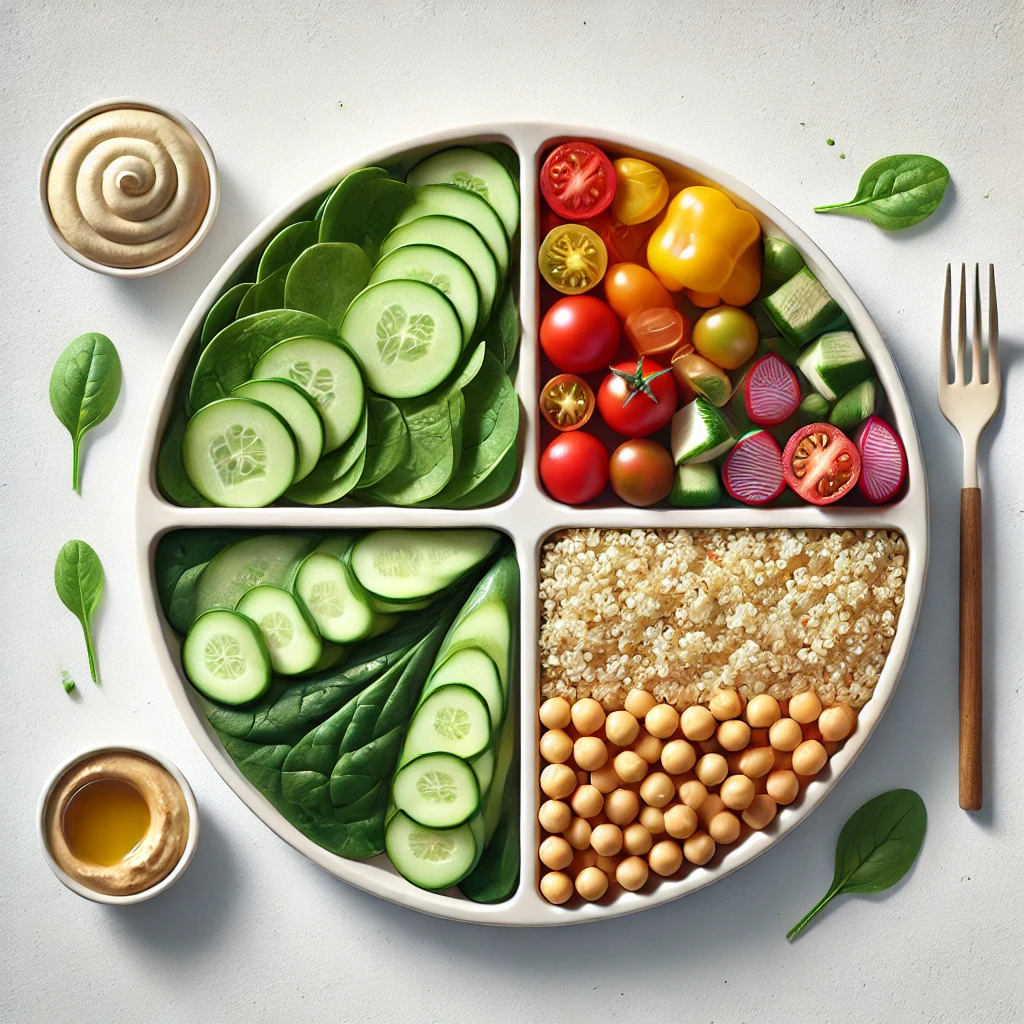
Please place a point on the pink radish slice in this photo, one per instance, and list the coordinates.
(772, 392)
(883, 460)
(753, 471)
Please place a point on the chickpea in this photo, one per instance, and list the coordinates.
(608, 865)
(804, 707)
(836, 723)
(692, 793)
(662, 721)
(783, 786)
(578, 833)
(652, 819)
(762, 710)
(726, 704)
(698, 723)
(699, 848)
(648, 747)
(558, 781)
(785, 734)
(556, 746)
(604, 780)
(606, 839)
(621, 728)
(588, 716)
(724, 828)
(677, 757)
(638, 702)
(665, 858)
(733, 735)
(555, 853)
(737, 792)
(587, 801)
(556, 887)
(809, 758)
(712, 769)
(621, 806)
(554, 713)
(554, 816)
(713, 805)
(657, 790)
(629, 766)
(590, 752)
(631, 873)
(636, 839)
(761, 812)
(581, 859)
(680, 821)
(757, 761)
(592, 883)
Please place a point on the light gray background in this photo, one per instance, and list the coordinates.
(286, 91)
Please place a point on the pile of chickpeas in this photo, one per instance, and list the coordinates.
(638, 789)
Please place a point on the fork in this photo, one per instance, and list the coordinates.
(970, 405)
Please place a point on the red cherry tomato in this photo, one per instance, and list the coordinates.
(574, 468)
(642, 472)
(821, 463)
(577, 180)
(636, 399)
(580, 334)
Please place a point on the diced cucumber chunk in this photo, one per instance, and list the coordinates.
(696, 486)
(802, 309)
(452, 719)
(225, 658)
(297, 409)
(239, 453)
(834, 364)
(334, 599)
(431, 858)
(293, 643)
(813, 409)
(699, 433)
(436, 790)
(471, 667)
(855, 406)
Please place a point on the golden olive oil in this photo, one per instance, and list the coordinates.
(105, 820)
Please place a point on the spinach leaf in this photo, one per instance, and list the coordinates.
(182, 550)
(493, 486)
(265, 294)
(222, 312)
(181, 611)
(336, 473)
(78, 577)
(286, 246)
(469, 364)
(876, 848)
(84, 386)
(326, 278)
(501, 332)
(896, 192)
(171, 477)
(363, 209)
(496, 876)
(387, 440)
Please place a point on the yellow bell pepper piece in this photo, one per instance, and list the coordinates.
(707, 245)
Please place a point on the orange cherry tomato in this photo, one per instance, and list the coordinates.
(629, 287)
(567, 402)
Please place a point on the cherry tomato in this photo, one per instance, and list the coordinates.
(641, 191)
(580, 334)
(629, 287)
(642, 472)
(577, 180)
(567, 402)
(657, 332)
(636, 399)
(726, 336)
(574, 467)
(572, 258)
(821, 463)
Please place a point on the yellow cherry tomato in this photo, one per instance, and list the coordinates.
(628, 287)
(572, 258)
(641, 191)
(726, 336)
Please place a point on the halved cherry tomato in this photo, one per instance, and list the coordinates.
(636, 399)
(577, 180)
(572, 258)
(821, 463)
(574, 467)
(580, 334)
(642, 471)
(567, 402)
(629, 287)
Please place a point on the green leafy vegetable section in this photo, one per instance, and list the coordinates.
(78, 577)
(876, 848)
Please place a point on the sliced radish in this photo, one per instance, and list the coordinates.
(883, 460)
(753, 471)
(772, 391)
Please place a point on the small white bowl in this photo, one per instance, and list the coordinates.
(190, 843)
(119, 104)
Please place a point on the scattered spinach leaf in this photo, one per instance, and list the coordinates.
(84, 386)
(363, 208)
(336, 473)
(286, 246)
(265, 294)
(325, 279)
(78, 577)
(387, 440)
(223, 312)
(876, 848)
(66, 681)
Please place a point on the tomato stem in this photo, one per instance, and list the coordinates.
(638, 383)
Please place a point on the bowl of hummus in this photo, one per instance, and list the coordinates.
(118, 824)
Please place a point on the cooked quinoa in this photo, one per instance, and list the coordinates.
(682, 613)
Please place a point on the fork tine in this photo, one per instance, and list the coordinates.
(961, 329)
(944, 343)
(976, 341)
(993, 328)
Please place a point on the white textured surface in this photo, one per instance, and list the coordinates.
(254, 931)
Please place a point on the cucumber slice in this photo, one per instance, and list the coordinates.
(239, 453)
(293, 643)
(471, 667)
(225, 658)
(855, 406)
(696, 486)
(442, 269)
(406, 335)
(802, 309)
(835, 364)
(333, 654)
(382, 607)
(457, 237)
(297, 409)
(453, 719)
(334, 599)
(474, 171)
(699, 433)
(452, 201)
(328, 374)
(436, 790)
(431, 858)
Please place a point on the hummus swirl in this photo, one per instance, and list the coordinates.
(128, 188)
(161, 847)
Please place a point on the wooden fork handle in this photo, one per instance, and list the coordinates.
(970, 649)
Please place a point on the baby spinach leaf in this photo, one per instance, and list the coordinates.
(387, 440)
(496, 876)
(501, 332)
(84, 386)
(223, 312)
(265, 294)
(335, 474)
(896, 192)
(493, 486)
(363, 209)
(78, 577)
(325, 279)
(876, 848)
(181, 611)
(286, 246)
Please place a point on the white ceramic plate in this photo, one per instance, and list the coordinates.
(528, 516)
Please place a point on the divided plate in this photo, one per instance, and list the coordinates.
(528, 516)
